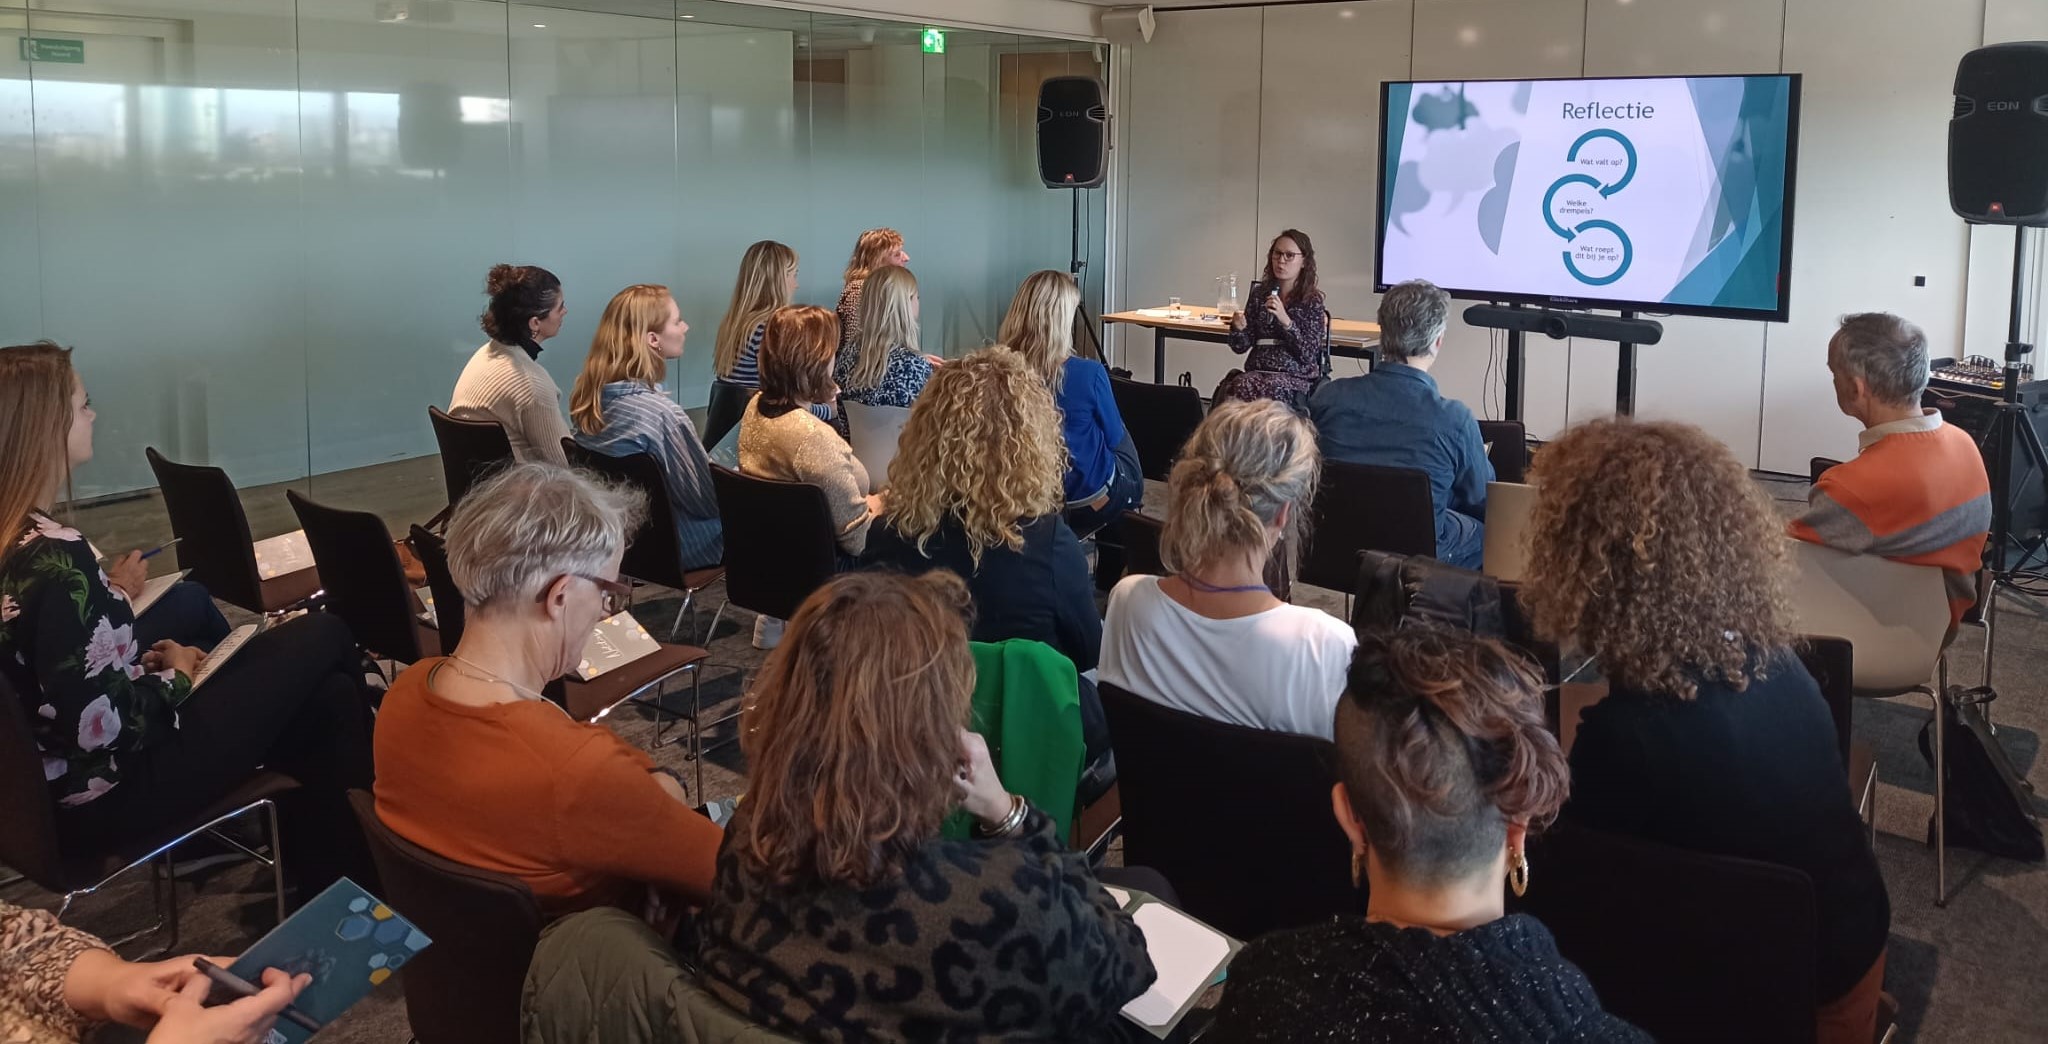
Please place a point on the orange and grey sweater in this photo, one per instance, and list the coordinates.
(1917, 493)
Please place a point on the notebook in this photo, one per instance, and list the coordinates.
(154, 590)
(223, 652)
(347, 940)
(287, 553)
(615, 642)
(1188, 955)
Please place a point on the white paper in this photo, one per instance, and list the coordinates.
(614, 642)
(1184, 952)
(154, 589)
(1122, 897)
(279, 555)
(221, 653)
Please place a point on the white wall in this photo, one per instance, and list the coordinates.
(1297, 86)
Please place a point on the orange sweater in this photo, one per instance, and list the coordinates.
(523, 789)
(1914, 496)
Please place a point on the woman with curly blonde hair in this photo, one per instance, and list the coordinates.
(975, 488)
(1653, 552)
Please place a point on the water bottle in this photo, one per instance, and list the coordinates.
(1226, 295)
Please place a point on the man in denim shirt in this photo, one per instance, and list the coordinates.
(1395, 417)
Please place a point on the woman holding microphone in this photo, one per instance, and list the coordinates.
(1285, 328)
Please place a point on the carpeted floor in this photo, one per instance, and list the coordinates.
(1969, 972)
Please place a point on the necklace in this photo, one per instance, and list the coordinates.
(1204, 586)
(480, 674)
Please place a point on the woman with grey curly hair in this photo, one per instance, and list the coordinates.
(476, 765)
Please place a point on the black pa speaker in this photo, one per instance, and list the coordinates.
(1073, 140)
(1998, 138)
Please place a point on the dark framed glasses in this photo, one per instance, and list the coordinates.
(618, 597)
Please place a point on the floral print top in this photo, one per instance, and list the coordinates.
(68, 650)
(901, 381)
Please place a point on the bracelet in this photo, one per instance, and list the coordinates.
(1010, 823)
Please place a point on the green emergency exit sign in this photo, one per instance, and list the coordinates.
(934, 40)
(50, 49)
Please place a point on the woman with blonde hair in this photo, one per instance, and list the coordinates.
(885, 369)
(1210, 638)
(767, 281)
(857, 749)
(1652, 551)
(619, 409)
(875, 247)
(1103, 478)
(128, 747)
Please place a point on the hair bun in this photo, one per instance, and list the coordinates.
(502, 277)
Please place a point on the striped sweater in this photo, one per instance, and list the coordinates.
(1917, 493)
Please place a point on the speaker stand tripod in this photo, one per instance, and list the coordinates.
(1076, 264)
(2010, 424)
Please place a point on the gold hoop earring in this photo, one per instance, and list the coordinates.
(1518, 873)
(1357, 868)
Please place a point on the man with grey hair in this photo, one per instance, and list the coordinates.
(1917, 491)
(1395, 417)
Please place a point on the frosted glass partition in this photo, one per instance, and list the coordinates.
(266, 224)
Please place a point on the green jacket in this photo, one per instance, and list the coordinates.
(1028, 707)
(603, 977)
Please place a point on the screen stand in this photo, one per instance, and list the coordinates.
(1626, 330)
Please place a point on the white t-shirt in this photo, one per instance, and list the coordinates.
(1282, 669)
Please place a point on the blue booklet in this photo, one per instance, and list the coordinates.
(347, 940)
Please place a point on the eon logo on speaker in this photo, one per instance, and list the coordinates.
(2002, 106)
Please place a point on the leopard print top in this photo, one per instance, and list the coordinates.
(976, 940)
(35, 955)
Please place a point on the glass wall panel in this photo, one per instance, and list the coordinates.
(167, 189)
(21, 307)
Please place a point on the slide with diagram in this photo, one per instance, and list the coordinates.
(1658, 190)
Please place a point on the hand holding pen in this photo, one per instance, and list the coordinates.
(246, 1020)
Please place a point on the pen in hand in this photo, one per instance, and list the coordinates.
(160, 548)
(241, 987)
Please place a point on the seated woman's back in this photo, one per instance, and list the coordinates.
(475, 765)
(864, 924)
(1712, 736)
(780, 439)
(975, 489)
(1211, 639)
(1444, 766)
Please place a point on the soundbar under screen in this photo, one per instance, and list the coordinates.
(1655, 194)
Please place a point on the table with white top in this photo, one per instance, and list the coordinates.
(1349, 338)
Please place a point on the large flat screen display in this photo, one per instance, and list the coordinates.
(1651, 194)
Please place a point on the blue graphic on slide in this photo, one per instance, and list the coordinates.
(1570, 235)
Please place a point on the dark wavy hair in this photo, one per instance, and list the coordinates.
(1305, 288)
(1441, 745)
(518, 293)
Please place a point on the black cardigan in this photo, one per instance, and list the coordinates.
(1756, 774)
(1350, 979)
(1043, 591)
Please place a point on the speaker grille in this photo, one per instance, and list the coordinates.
(1964, 106)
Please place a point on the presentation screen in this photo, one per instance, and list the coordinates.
(1651, 194)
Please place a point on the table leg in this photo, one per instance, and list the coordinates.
(1159, 356)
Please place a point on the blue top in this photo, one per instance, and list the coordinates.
(1092, 426)
(1395, 417)
(638, 418)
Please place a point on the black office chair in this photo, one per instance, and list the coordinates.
(1507, 444)
(728, 403)
(1686, 945)
(1366, 507)
(653, 555)
(470, 451)
(365, 582)
(214, 542)
(1237, 818)
(1832, 662)
(465, 988)
(780, 543)
(449, 612)
(1141, 533)
(28, 829)
(1160, 417)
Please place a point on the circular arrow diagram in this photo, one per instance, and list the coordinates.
(1628, 253)
(1627, 147)
(1549, 216)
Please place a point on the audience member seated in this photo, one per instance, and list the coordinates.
(619, 408)
(975, 489)
(1395, 417)
(504, 380)
(885, 368)
(1211, 638)
(1653, 552)
(58, 983)
(840, 913)
(1444, 768)
(476, 765)
(1103, 478)
(767, 281)
(128, 745)
(1285, 327)
(875, 247)
(1917, 491)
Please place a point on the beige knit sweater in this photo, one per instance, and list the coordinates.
(502, 383)
(798, 447)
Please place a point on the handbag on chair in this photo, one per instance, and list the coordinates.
(1395, 591)
(1990, 806)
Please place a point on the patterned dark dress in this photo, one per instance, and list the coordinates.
(1284, 362)
(901, 381)
(974, 940)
